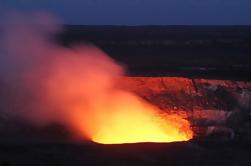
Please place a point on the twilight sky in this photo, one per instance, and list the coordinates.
(139, 12)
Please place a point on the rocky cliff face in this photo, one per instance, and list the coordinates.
(190, 94)
(222, 104)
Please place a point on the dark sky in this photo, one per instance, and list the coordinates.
(140, 12)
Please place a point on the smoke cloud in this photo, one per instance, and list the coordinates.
(43, 81)
(46, 83)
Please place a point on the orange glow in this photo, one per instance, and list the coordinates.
(131, 125)
(89, 99)
(128, 119)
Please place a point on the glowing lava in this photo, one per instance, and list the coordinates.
(129, 119)
(129, 127)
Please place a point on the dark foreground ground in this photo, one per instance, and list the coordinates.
(194, 153)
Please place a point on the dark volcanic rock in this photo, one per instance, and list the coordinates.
(184, 153)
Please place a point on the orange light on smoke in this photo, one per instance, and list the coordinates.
(78, 88)
(88, 100)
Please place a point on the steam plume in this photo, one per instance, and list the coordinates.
(76, 87)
